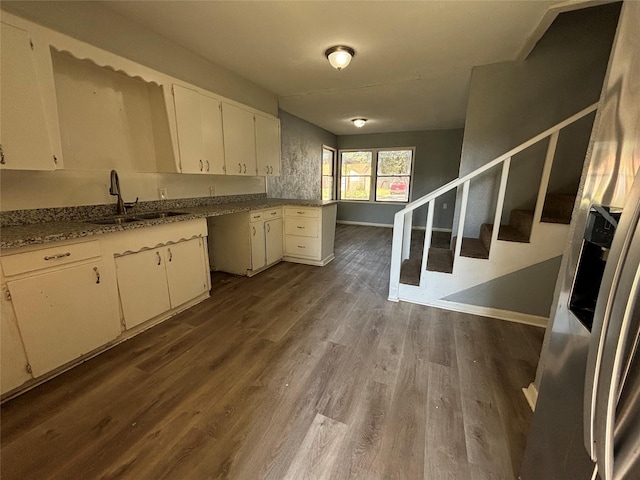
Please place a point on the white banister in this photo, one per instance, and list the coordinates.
(428, 233)
(463, 214)
(500, 204)
(403, 219)
(546, 174)
(406, 236)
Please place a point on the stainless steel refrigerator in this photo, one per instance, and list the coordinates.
(586, 424)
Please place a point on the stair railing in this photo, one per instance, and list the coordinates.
(403, 220)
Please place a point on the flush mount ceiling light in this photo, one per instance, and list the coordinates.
(339, 56)
(359, 122)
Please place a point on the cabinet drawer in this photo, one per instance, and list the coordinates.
(304, 227)
(49, 257)
(302, 247)
(265, 214)
(302, 212)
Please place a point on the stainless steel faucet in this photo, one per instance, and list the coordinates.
(115, 191)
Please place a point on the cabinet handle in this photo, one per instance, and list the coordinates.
(239, 168)
(95, 269)
(170, 254)
(274, 213)
(254, 231)
(268, 228)
(201, 165)
(2, 155)
(159, 258)
(267, 169)
(245, 168)
(57, 256)
(208, 166)
(301, 228)
(300, 213)
(301, 246)
(271, 170)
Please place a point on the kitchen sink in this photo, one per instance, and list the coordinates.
(113, 220)
(152, 215)
(133, 218)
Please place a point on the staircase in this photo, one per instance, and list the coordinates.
(428, 270)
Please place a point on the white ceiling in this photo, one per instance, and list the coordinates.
(412, 65)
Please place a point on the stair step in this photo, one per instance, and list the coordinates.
(558, 208)
(440, 260)
(485, 235)
(410, 272)
(472, 248)
(507, 233)
(521, 220)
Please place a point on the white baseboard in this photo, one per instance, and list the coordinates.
(508, 315)
(531, 394)
(388, 225)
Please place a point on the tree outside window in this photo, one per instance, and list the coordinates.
(355, 175)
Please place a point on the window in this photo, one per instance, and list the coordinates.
(390, 179)
(355, 175)
(328, 173)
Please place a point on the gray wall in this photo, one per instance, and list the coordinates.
(436, 163)
(511, 102)
(527, 291)
(301, 144)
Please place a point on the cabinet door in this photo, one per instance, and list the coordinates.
(190, 146)
(186, 270)
(268, 145)
(258, 254)
(273, 235)
(63, 315)
(13, 365)
(142, 283)
(212, 143)
(23, 129)
(239, 140)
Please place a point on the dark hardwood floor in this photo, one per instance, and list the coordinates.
(297, 373)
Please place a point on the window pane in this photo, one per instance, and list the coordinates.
(356, 163)
(355, 188)
(327, 188)
(327, 161)
(392, 189)
(394, 162)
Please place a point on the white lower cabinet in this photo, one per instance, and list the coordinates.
(246, 243)
(309, 234)
(155, 281)
(14, 369)
(62, 304)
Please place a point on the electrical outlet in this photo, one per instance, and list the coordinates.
(212, 190)
(162, 193)
(444, 206)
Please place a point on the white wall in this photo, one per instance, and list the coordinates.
(85, 180)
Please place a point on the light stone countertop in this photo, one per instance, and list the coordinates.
(16, 236)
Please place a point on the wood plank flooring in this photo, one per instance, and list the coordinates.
(297, 373)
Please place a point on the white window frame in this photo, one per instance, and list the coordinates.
(334, 193)
(374, 175)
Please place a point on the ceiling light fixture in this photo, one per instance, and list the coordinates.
(359, 122)
(339, 56)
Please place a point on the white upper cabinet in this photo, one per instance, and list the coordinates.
(199, 128)
(268, 145)
(23, 127)
(239, 140)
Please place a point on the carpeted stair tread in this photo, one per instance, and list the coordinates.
(472, 248)
(558, 208)
(508, 233)
(440, 260)
(521, 220)
(410, 272)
